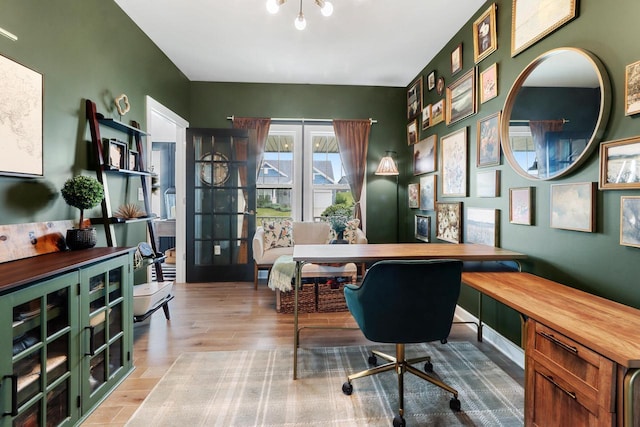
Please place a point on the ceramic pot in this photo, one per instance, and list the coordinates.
(84, 238)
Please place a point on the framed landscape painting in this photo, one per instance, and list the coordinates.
(481, 226)
(428, 193)
(422, 228)
(424, 155)
(488, 183)
(573, 206)
(414, 99)
(620, 164)
(629, 220)
(461, 97)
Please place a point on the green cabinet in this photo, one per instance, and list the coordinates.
(71, 332)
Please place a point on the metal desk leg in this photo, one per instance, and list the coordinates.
(479, 316)
(296, 331)
(629, 398)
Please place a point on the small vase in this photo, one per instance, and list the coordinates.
(339, 240)
(81, 238)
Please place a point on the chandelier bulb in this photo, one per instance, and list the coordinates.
(300, 22)
(326, 7)
(273, 6)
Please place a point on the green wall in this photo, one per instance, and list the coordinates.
(594, 262)
(84, 49)
(212, 103)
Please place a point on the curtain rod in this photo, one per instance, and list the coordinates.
(302, 120)
(527, 121)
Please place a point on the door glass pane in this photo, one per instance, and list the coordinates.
(203, 253)
(115, 357)
(57, 362)
(57, 311)
(97, 371)
(115, 285)
(31, 417)
(57, 404)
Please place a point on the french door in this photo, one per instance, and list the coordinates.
(220, 204)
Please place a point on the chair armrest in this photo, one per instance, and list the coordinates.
(258, 245)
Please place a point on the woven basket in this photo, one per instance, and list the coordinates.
(331, 295)
(306, 299)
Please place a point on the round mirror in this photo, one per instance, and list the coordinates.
(554, 113)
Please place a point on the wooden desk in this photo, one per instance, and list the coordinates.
(598, 332)
(376, 252)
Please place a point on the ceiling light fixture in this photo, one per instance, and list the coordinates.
(326, 8)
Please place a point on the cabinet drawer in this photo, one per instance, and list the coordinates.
(582, 369)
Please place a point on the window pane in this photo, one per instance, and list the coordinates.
(276, 179)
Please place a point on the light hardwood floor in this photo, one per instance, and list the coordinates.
(228, 316)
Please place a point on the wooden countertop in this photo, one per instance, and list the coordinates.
(17, 273)
(404, 251)
(607, 327)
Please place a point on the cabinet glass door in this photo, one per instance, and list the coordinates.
(106, 293)
(38, 389)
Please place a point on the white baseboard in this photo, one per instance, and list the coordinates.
(503, 345)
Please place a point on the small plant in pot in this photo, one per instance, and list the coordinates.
(338, 215)
(82, 192)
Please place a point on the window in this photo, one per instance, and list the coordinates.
(301, 173)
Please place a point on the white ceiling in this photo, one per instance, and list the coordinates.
(364, 42)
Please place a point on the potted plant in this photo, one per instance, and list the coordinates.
(82, 192)
(338, 215)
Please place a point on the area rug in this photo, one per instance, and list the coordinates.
(255, 388)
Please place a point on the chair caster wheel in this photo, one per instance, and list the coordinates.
(398, 421)
(444, 341)
(347, 388)
(454, 404)
(428, 367)
(373, 360)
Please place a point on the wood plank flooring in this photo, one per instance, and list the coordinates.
(229, 316)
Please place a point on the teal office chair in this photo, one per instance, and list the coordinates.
(404, 302)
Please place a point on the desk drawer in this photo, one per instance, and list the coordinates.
(580, 368)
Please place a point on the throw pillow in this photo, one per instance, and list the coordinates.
(278, 234)
(349, 233)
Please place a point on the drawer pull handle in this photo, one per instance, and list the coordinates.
(552, 381)
(555, 340)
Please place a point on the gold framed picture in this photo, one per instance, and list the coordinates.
(412, 132)
(632, 89)
(437, 112)
(489, 83)
(485, 39)
(461, 97)
(414, 98)
(456, 59)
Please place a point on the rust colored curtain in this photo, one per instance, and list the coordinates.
(353, 141)
(261, 126)
(539, 129)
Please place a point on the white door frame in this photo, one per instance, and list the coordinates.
(160, 118)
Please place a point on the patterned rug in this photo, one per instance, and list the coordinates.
(255, 388)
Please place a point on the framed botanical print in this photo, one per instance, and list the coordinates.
(412, 132)
(461, 97)
(449, 222)
(414, 195)
(620, 164)
(521, 205)
(632, 89)
(573, 206)
(414, 99)
(425, 155)
(488, 141)
(481, 226)
(456, 59)
(489, 83)
(485, 39)
(629, 220)
(454, 163)
(428, 192)
(422, 228)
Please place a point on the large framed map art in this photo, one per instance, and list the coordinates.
(21, 109)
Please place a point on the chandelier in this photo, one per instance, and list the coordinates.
(326, 8)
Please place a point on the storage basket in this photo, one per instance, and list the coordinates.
(306, 299)
(331, 295)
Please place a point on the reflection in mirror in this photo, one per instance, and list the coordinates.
(554, 113)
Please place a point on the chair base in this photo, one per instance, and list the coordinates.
(401, 365)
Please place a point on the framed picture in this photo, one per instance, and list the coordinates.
(481, 226)
(521, 205)
(431, 80)
(440, 86)
(532, 20)
(454, 163)
(449, 222)
(414, 99)
(632, 89)
(428, 193)
(133, 160)
(573, 206)
(488, 183)
(116, 154)
(489, 83)
(620, 164)
(485, 39)
(456, 59)
(414, 196)
(21, 110)
(422, 228)
(425, 155)
(437, 112)
(488, 141)
(426, 117)
(412, 132)
(629, 220)
(461, 97)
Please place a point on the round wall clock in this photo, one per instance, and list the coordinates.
(220, 164)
